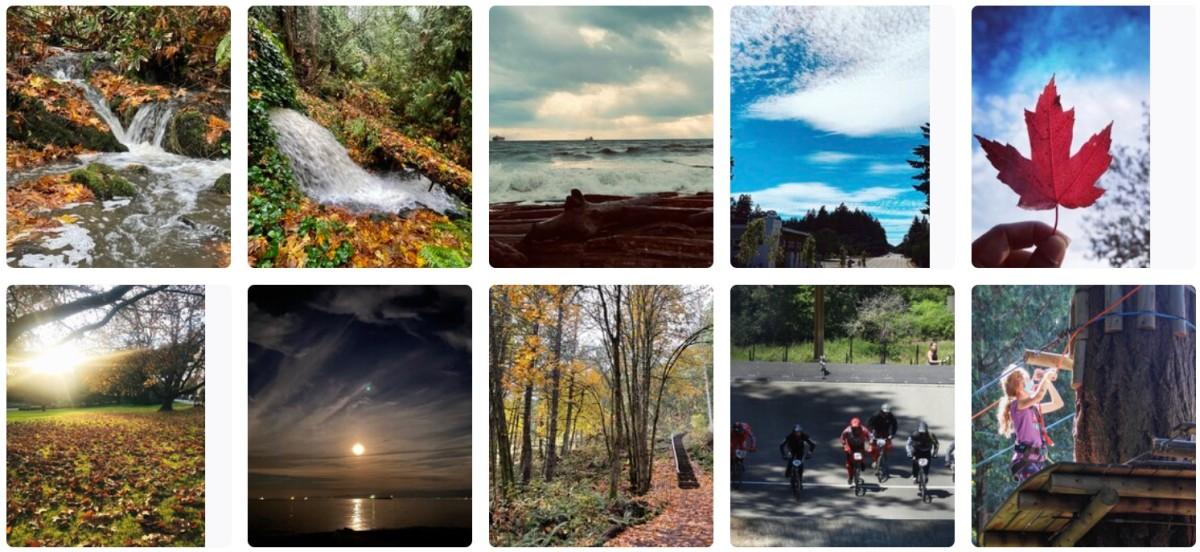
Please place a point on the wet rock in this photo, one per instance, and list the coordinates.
(29, 122)
(187, 134)
(140, 170)
(221, 186)
(103, 181)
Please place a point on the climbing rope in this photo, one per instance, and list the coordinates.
(1067, 350)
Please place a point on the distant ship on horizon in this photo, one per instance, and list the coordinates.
(497, 138)
(589, 139)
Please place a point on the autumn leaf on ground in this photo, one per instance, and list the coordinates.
(216, 127)
(1053, 177)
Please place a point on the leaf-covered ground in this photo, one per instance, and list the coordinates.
(574, 510)
(686, 515)
(31, 203)
(106, 477)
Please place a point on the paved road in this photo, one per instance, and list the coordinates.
(842, 373)
(891, 260)
(763, 509)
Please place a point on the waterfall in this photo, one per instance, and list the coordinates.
(149, 123)
(326, 173)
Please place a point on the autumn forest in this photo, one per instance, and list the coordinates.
(601, 415)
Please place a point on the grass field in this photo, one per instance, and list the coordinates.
(837, 351)
(24, 415)
(106, 476)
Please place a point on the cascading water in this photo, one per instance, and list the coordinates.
(172, 221)
(326, 173)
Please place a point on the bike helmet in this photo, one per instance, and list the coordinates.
(855, 422)
(922, 427)
(886, 408)
(797, 428)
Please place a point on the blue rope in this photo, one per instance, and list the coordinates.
(1010, 447)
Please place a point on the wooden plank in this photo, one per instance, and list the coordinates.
(1013, 538)
(1048, 360)
(1069, 504)
(1079, 316)
(1114, 324)
(1147, 303)
(1178, 309)
(1097, 507)
(1173, 448)
(1142, 487)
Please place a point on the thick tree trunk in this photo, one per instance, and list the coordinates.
(168, 405)
(499, 426)
(1136, 384)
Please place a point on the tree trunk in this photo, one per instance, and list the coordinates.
(568, 421)
(527, 436)
(168, 405)
(1138, 384)
(555, 377)
(499, 426)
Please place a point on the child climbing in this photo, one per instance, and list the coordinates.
(1021, 415)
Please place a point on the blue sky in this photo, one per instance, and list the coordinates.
(826, 107)
(1100, 59)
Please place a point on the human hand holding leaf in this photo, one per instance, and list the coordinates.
(1052, 177)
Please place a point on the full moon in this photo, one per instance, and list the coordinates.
(358, 449)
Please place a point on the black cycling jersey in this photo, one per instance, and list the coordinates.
(793, 444)
(883, 424)
(923, 444)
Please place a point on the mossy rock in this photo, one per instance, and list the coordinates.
(187, 135)
(140, 170)
(103, 181)
(29, 122)
(221, 186)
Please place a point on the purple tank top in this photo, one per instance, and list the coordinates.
(1025, 425)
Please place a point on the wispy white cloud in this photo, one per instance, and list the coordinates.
(889, 168)
(799, 197)
(858, 71)
(831, 157)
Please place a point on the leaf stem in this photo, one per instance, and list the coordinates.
(1055, 219)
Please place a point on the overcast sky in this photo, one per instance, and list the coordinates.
(388, 367)
(606, 72)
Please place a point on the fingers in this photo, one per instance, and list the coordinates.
(1005, 246)
(1050, 252)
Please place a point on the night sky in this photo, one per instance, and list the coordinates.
(388, 367)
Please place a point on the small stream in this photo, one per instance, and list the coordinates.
(175, 220)
(327, 174)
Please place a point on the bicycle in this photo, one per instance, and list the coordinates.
(739, 468)
(859, 488)
(923, 480)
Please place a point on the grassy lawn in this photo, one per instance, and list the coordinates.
(106, 476)
(24, 415)
(837, 351)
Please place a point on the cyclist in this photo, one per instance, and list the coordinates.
(922, 443)
(792, 446)
(742, 438)
(854, 439)
(883, 425)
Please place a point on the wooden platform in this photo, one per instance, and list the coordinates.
(684, 473)
(1058, 505)
(675, 233)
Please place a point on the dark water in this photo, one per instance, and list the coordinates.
(533, 171)
(284, 517)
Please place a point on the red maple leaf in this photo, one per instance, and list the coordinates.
(1053, 176)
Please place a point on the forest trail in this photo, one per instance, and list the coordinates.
(686, 518)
